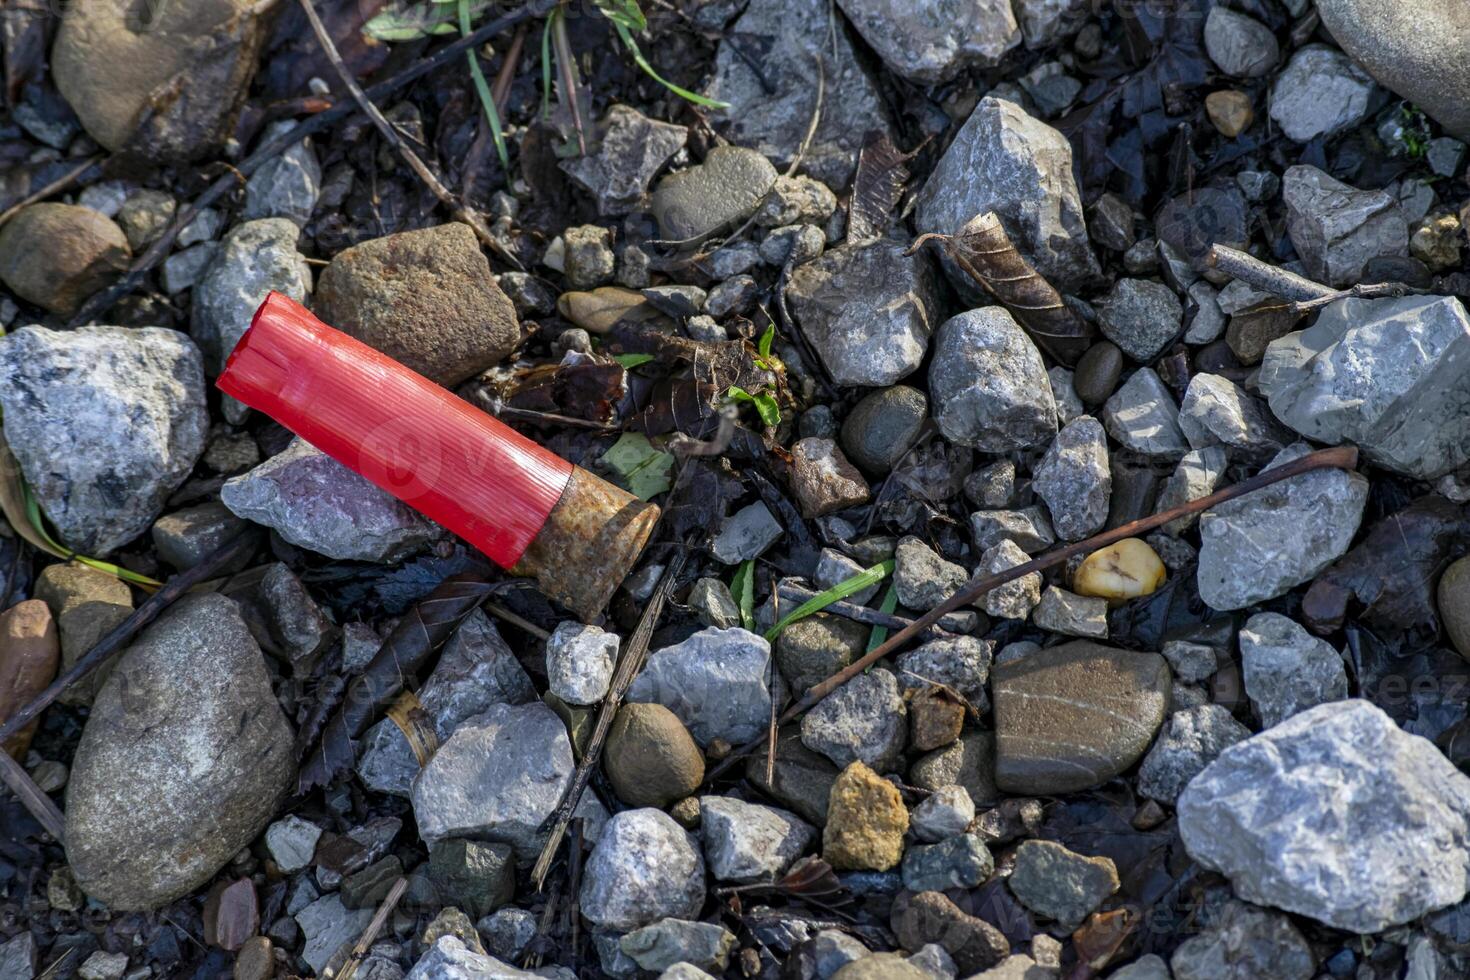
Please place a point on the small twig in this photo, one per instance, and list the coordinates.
(571, 79)
(500, 90)
(1339, 457)
(124, 632)
(457, 210)
(370, 934)
(55, 187)
(500, 612)
(1268, 278)
(635, 652)
(103, 300)
(32, 797)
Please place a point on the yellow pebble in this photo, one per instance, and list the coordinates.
(1120, 572)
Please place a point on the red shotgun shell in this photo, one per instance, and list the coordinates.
(440, 455)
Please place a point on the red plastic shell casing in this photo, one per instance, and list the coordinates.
(432, 450)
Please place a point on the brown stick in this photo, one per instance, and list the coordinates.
(127, 629)
(31, 796)
(380, 919)
(101, 301)
(56, 186)
(1252, 271)
(1339, 457)
(458, 211)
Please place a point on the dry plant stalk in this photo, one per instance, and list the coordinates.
(984, 250)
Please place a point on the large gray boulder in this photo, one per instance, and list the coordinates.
(476, 669)
(1320, 92)
(1338, 229)
(1074, 479)
(989, 384)
(499, 778)
(645, 867)
(1336, 814)
(1388, 375)
(771, 109)
(1418, 50)
(106, 423)
(255, 258)
(316, 503)
(1006, 161)
(182, 762)
(1259, 546)
(868, 310)
(932, 40)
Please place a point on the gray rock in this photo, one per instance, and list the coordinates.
(1208, 321)
(281, 614)
(292, 842)
(1014, 599)
(961, 663)
(186, 536)
(183, 269)
(945, 814)
(813, 649)
(734, 295)
(1383, 374)
(960, 862)
(497, 778)
(632, 150)
(1029, 528)
(931, 41)
(721, 192)
(1241, 46)
(144, 216)
(165, 789)
(1074, 479)
(830, 950)
(745, 842)
(883, 427)
(1057, 883)
(288, 184)
(507, 932)
(1069, 405)
(923, 579)
(1140, 316)
(989, 385)
(1191, 740)
(610, 956)
(796, 200)
(1366, 826)
(968, 763)
(1245, 942)
(992, 486)
(450, 959)
(255, 258)
(1413, 51)
(579, 662)
(1319, 93)
(1216, 411)
(802, 779)
(476, 670)
(105, 422)
(713, 605)
(792, 243)
(326, 925)
(746, 534)
(1259, 546)
(1198, 475)
(1005, 161)
(1337, 229)
(18, 957)
(770, 109)
(1286, 669)
(671, 942)
(587, 256)
(833, 567)
(1060, 611)
(864, 720)
(1192, 662)
(1148, 967)
(645, 867)
(868, 310)
(316, 503)
(1142, 417)
(718, 682)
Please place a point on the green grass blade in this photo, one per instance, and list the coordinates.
(546, 64)
(642, 62)
(33, 514)
(837, 593)
(742, 587)
(887, 605)
(482, 89)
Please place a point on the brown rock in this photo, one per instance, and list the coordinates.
(866, 821)
(935, 720)
(29, 654)
(929, 917)
(1071, 717)
(1230, 111)
(231, 915)
(1454, 604)
(801, 779)
(425, 298)
(56, 255)
(822, 478)
(651, 758)
(162, 81)
(87, 605)
(256, 960)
